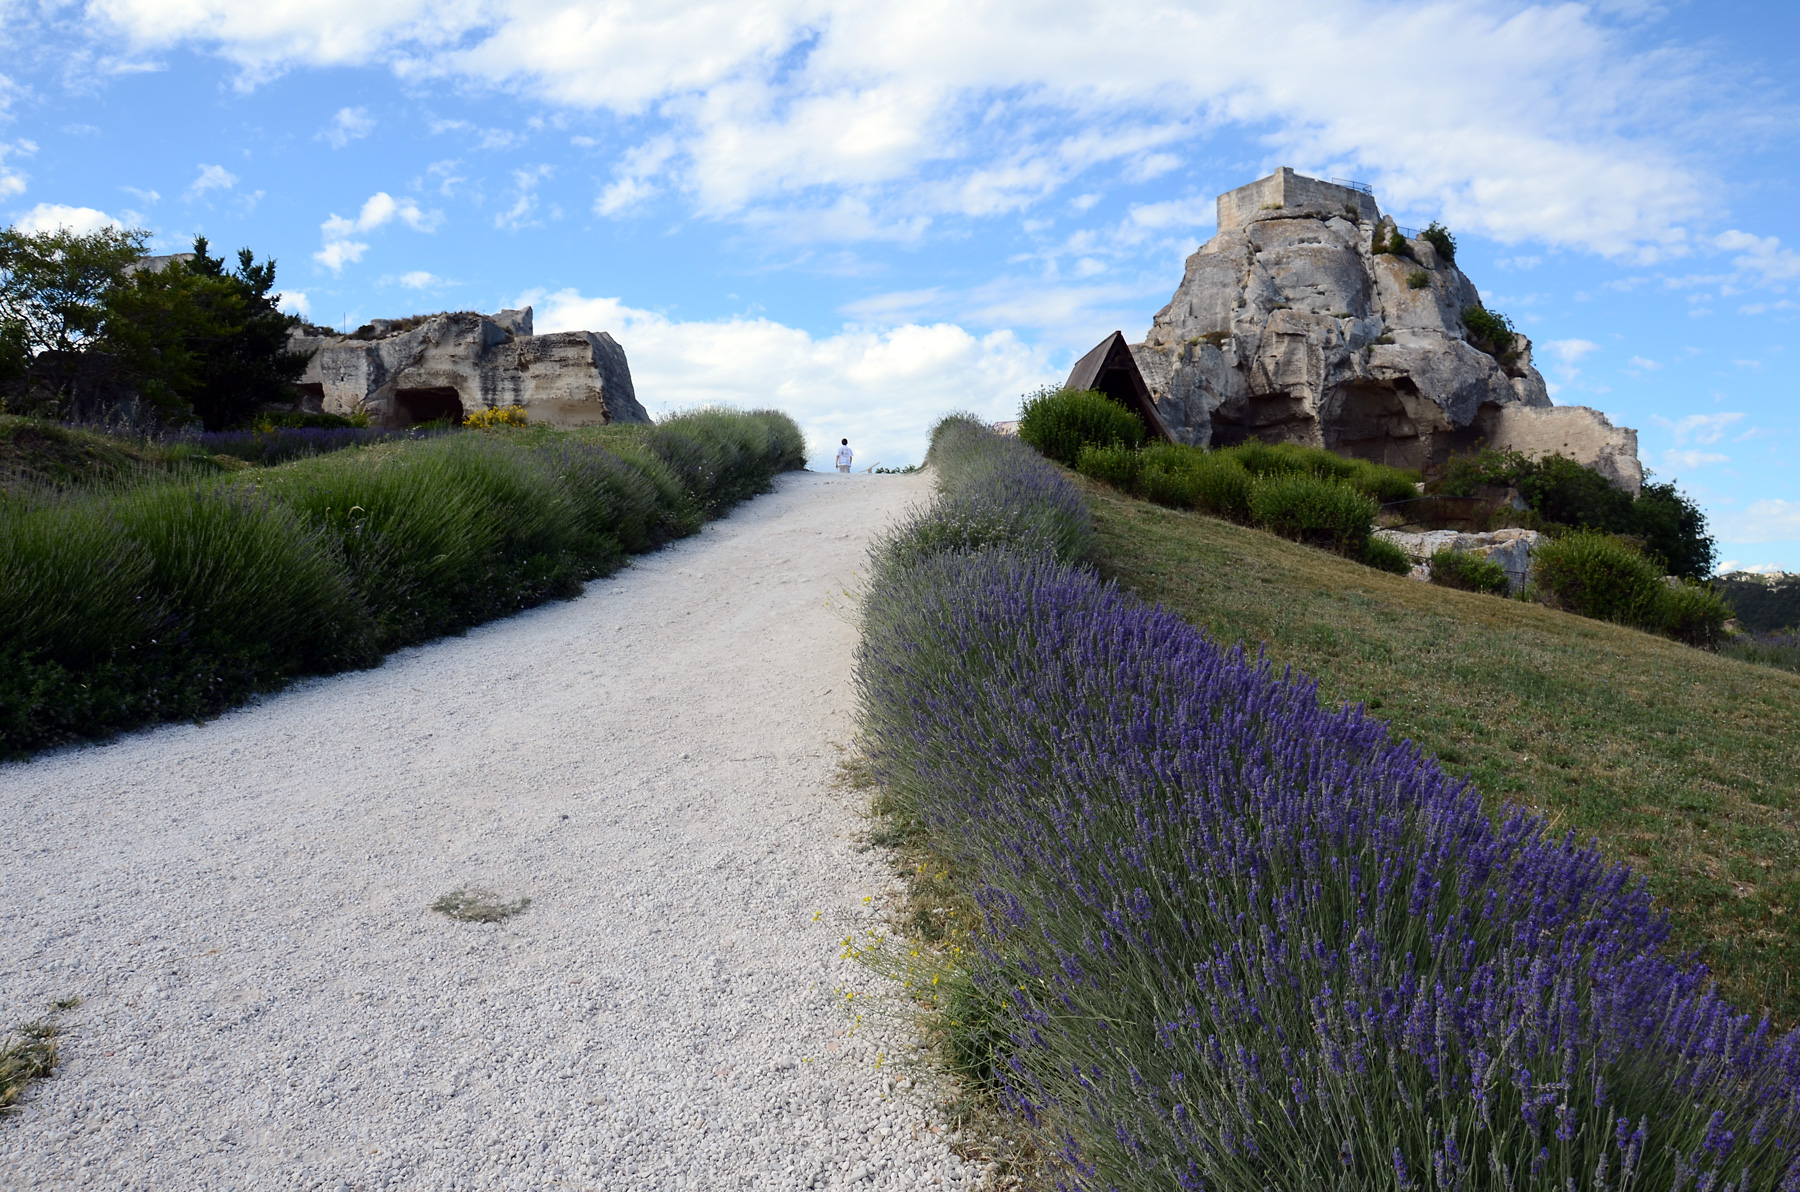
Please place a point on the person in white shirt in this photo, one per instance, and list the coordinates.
(844, 455)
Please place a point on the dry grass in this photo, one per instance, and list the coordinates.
(1683, 763)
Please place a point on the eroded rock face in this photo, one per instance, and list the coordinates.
(404, 372)
(1289, 327)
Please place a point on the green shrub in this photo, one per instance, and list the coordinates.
(1597, 575)
(1692, 613)
(1060, 422)
(122, 606)
(1114, 464)
(1193, 478)
(1274, 459)
(1418, 279)
(1439, 237)
(1489, 330)
(1468, 572)
(1312, 509)
(1383, 555)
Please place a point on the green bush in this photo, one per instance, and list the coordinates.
(1377, 480)
(1383, 555)
(1562, 492)
(125, 606)
(1692, 613)
(1418, 279)
(1060, 422)
(1194, 478)
(1312, 509)
(1114, 464)
(1489, 330)
(1468, 572)
(1439, 237)
(1597, 575)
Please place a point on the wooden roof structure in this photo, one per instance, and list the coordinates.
(1110, 369)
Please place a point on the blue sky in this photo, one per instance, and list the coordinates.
(869, 214)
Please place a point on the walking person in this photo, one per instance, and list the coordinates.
(844, 456)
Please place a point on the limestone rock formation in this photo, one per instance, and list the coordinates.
(1511, 548)
(407, 371)
(1289, 326)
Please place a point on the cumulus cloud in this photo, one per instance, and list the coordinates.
(47, 217)
(1762, 257)
(350, 124)
(341, 248)
(880, 388)
(211, 178)
(294, 302)
(419, 279)
(1533, 122)
(1568, 351)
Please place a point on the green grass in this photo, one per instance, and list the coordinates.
(149, 598)
(1677, 760)
(37, 453)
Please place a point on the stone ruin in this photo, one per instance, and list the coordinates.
(1289, 327)
(402, 372)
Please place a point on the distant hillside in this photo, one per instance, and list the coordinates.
(1763, 603)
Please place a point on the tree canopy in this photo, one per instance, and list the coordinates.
(89, 330)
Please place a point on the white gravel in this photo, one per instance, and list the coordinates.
(268, 1002)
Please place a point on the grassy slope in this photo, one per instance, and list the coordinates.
(1683, 763)
(46, 453)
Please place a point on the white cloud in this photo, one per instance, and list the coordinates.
(47, 217)
(381, 208)
(350, 124)
(523, 212)
(1530, 124)
(143, 196)
(211, 178)
(1638, 365)
(419, 279)
(1693, 459)
(294, 302)
(1569, 350)
(1769, 520)
(880, 388)
(634, 178)
(12, 182)
(1758, 308)
(1701, 428)
(1762, 256)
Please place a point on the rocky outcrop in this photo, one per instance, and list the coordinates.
(1289, 326)
(1510, 548)
(403, 372)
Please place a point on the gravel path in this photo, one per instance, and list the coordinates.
(269, 1002)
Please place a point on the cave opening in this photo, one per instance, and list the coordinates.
(427, 404)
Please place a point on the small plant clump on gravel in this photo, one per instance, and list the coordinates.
(477, 905)
(30, 1055)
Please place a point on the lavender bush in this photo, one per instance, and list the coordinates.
(1238, 940)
